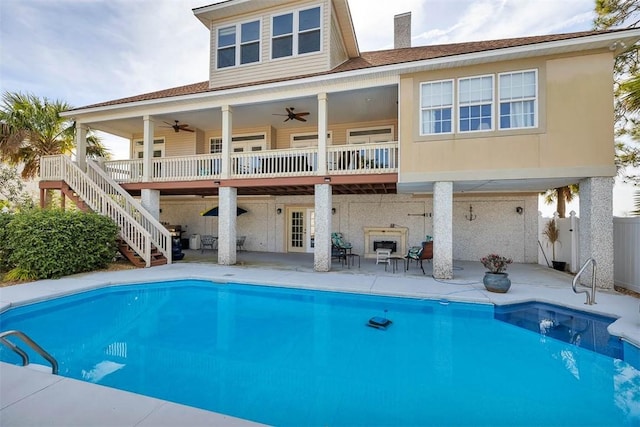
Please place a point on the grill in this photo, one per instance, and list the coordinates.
(175, 230)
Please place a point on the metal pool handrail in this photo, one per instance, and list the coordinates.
(31, 343)
(591, 297)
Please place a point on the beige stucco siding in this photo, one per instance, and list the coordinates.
(268, 68)
(574, 136)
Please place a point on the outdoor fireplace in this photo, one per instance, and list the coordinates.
(385, 244)
(392, 238)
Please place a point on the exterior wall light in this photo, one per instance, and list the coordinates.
(519, 210)
(333, 211)
(279, 211)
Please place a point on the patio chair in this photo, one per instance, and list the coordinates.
(338, 242)
(240, 243)
(420, 253)
(339, 253)
(207, 240)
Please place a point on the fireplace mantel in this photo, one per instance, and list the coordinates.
(397, 234)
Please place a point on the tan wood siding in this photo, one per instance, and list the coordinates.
(281, 67)
(337, 51)
(175, 143)
(575, 131)
(339, 131)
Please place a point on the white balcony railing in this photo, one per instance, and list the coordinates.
(350, 159)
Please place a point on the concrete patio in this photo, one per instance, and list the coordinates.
(31, 397)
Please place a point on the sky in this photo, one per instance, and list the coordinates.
(90, 51)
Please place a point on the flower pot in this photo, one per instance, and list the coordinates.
(496, 282)
(559, 265)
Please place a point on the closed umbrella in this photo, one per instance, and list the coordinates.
(214, 212)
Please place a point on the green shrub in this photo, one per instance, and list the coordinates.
(5, 250)
(54, 243)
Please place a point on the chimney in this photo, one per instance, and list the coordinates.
(402, 30)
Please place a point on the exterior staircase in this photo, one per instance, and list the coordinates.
(157, 258)
(143, 240)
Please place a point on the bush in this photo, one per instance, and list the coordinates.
(5, 251)
(53, 243)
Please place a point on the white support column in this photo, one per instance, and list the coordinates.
(227, 212)
(443, 230)
(227, 132)
(596, 229)
(81, 146)
(147, 149)
(323, 128)
(150, 200)
(322, 247)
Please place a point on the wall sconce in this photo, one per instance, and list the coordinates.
(519, 210)
(279, 211)
(327, 179)
(333, 211)
(471, 216)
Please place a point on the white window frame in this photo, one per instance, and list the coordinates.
(369, 132)
(308, 139)
(244, 140)
(521, 99)
(475, 103)
(239, 44)
(440, 107)
(158, 145)
(295, 34)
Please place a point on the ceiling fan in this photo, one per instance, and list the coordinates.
(292, 115)
(178, 127)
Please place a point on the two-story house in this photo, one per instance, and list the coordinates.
(311, 136)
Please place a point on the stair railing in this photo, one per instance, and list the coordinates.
(160, 236)
(131, 231)
(31, 343)
(591, 296)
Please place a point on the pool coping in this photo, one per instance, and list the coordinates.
(23, 390)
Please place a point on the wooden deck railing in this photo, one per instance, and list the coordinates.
(350, 159)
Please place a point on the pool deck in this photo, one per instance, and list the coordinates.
(31, 397)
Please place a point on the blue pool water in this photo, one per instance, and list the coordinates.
(294, 357)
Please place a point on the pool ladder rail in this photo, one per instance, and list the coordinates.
(31, 343)
(591, 296)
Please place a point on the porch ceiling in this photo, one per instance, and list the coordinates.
(294, 186)
(377, 103)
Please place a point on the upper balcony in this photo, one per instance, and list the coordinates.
(368, 168)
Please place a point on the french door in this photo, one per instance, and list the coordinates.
(301, 230)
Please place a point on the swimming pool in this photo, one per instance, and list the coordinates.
(294, 357)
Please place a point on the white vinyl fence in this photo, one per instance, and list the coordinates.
(626, 248)
(626, 253)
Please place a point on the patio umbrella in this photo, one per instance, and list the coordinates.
(214, 212)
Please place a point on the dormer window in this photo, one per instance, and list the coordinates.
(234, 50)
(295, 33)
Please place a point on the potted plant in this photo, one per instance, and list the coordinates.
(552, 233)
(496, 280)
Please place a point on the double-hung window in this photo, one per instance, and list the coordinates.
(518, 99)
(436, 104)
(475, 104)
(242, 49)
(295, 33)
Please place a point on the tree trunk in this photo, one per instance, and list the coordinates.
(561, 201)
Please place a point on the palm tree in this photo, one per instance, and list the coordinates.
(32, 127)
(562, 196)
